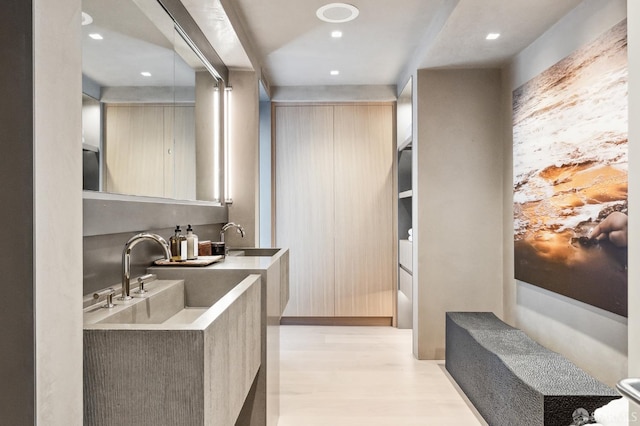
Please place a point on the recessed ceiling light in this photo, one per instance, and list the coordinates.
(95, 36)
(493, 36)
(336, 34)
(337, 13)
(86, 18)
(145, 74)
(335, 72)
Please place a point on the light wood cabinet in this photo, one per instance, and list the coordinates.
(150, 150)
(363, 155)
(305, 206)
(334, 208)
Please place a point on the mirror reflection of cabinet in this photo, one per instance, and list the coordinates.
(91, 143)
(141, 67)
(161, 162)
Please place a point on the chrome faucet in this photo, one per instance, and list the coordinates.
(239, 230)
(126, 258)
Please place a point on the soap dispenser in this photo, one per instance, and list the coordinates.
(178, 244)
(192, 244)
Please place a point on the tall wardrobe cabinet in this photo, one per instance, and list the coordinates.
(334, 208)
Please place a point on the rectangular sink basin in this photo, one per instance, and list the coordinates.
(184, 353)
(166, 302)
(630, 388)
(254, 251)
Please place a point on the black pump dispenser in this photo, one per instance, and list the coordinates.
(176, 246)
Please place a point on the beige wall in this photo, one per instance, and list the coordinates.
(586, 335)
(633, 10)
(57, 239)
(244, 158)
(457, 210)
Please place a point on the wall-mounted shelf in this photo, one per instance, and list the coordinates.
(404, 139)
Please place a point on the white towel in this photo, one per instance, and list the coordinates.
(615, 413)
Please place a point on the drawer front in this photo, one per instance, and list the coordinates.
(406, 283)
(405, 254)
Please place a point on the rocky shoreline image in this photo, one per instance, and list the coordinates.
(570, 156)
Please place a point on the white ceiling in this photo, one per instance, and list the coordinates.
(296, 49)
(138, 36)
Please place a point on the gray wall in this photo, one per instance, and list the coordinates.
(110, 220)
(102, 255)
(265, 174)
(244, 158)
(586, 335)
(16, 171)
(457, 189)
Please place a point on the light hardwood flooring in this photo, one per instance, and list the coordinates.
(339, 376)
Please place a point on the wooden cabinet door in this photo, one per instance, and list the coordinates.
(334, 205)
(305, 205)
(363, 148)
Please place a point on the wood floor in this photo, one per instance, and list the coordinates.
(364, 376)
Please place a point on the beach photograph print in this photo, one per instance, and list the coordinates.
(570, 164)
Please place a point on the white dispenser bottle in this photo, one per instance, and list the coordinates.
(192, 244)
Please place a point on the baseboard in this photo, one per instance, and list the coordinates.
(337, 321)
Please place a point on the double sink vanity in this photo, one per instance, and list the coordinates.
(199, 347)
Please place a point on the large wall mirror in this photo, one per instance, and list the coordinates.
(151, 107)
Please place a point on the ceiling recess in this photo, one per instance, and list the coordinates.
(337, 13)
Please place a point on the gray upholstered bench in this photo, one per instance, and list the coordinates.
(512, 380)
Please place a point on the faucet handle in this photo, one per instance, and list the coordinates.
(105, 294)
(144, 280)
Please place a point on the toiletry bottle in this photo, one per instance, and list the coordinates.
(192, 244)
(178, 245)
(174, 243)
(182, 240)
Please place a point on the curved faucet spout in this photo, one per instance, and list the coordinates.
(239, 230)
(126, 258)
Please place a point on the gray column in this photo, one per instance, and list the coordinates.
(17, 332)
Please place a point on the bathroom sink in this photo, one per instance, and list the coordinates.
(166, 302)
(630, 388)
(273, 267)
(254, 251)
(184, 353)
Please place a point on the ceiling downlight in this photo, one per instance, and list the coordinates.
(86, 19)
(337, 13)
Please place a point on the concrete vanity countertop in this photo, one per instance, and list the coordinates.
(262, 407)
(182, 353)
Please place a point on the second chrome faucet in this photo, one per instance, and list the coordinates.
(239, 230)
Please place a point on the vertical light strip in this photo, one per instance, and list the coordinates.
(227, 145)
(216, 146)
